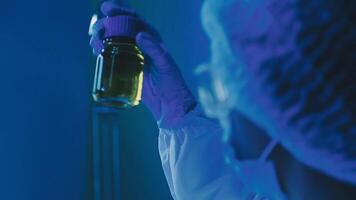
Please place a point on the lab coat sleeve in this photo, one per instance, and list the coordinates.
(193, 158)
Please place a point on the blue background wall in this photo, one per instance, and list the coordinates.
(44, 100)
(45, 103)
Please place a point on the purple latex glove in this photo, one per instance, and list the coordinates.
(165, 92)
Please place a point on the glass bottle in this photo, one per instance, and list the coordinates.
(119, 73)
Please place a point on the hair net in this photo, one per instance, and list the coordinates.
(289, 66)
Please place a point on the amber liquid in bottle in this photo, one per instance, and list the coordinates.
(119, 73)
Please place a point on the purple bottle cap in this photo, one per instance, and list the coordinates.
(128, 26)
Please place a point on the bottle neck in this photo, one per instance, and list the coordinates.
(120, 44)
(119, 40)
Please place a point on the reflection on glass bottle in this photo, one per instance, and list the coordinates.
(119, 73)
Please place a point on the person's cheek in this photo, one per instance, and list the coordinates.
(234, 18)
(259, 23)
(245, 23)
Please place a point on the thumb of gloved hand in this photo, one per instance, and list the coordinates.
(165, 92)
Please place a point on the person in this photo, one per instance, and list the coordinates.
(288, 67)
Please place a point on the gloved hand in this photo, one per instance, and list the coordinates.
(165, 92)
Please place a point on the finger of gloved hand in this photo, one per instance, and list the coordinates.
(97, 28)
(148, 77)
(150, 46)
(111, 9)
(97, 44)
(149, 96)
(97, 33)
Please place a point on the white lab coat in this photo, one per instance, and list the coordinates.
(195, 163)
